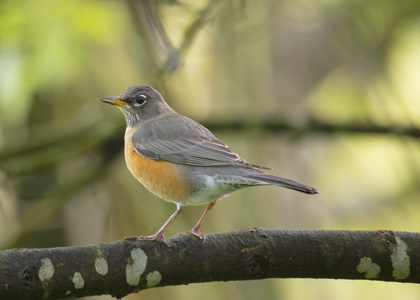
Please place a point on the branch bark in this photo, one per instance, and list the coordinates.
(128, 266)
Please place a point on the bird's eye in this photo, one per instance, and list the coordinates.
(140, 100)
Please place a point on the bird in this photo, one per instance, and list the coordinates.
(180, 160)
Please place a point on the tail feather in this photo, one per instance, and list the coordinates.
(283, 182)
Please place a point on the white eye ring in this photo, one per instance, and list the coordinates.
(140, 100)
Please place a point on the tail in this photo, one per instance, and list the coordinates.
(283, 182)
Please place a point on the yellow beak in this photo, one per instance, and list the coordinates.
(114, 101)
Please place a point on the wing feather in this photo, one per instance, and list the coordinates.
(178, 139)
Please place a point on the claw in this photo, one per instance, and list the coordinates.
(156, 237)
(198, 234)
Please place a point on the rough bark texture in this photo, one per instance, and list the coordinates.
(127, 266)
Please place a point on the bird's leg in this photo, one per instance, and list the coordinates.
(196, 229)
(159, 234)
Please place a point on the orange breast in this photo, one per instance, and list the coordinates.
(159, 177)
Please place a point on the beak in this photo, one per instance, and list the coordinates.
(114, 101)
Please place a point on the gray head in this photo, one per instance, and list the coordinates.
(139, 103)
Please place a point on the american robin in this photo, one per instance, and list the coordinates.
(180, 160)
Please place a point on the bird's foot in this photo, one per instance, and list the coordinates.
(195, 232)
(156, 237)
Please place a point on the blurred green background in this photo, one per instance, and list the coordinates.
(325, 92)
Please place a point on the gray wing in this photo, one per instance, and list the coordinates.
(180, 140)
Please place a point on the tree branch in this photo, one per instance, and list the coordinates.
(314, 125)
(128, 266)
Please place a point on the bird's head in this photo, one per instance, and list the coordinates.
(139, 103)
